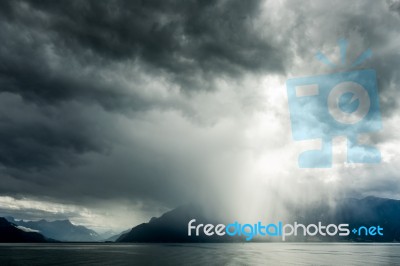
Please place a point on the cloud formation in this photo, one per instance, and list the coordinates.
(139, 106)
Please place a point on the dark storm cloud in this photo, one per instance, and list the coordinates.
(394, 6)
(184, 39)
(36, 137)
(58, 52)
(212, 35)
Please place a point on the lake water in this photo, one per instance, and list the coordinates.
(201, 254)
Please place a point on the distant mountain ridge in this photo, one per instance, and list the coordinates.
(115, 237)
(10, 233)
(62, 230)
(172, 227)
(369, 211)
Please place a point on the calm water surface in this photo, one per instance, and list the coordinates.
(200, 254)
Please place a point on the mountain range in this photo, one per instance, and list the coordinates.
(114, 238)
(172, 226)
(12, 233)
(61, 230)
(370, 211)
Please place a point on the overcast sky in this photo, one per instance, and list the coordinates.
(115, 111)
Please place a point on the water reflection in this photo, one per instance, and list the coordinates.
(200, 254)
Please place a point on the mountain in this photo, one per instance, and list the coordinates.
(107, 234)
(172, 227)
(11, 233)
(62, 230)
(115, 237)
(370, 211)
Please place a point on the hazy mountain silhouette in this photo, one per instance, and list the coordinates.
(62, 230)
(10, 233)
(115, 237)
(172, 227)
(370, 211)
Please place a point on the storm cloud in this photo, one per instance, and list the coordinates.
(139, 106)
